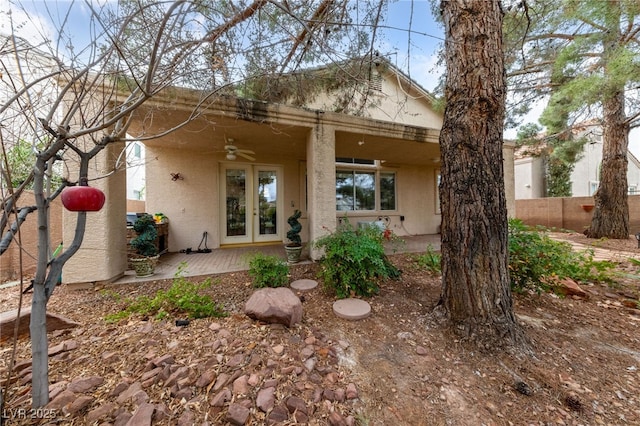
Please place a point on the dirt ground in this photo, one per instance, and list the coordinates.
(407, 370)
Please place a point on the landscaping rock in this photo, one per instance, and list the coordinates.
(274, 305)
(238, 414)
(8, 320)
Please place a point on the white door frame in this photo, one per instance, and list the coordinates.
(251, 204)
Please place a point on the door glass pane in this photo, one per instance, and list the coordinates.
(236, 181)
(267, 201)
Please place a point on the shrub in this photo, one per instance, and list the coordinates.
(354, 260)
(293, 234)
(182, 298)
(534, 257)
(145, 241)
(429, 260)
(268, 271)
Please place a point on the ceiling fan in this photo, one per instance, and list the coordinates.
(233, 152)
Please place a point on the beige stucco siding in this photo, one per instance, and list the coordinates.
(401, 105)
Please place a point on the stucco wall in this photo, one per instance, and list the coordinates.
(391, 103)
(529, 178)
(568, 213)
(10, 260)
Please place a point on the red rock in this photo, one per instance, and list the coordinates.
(238, 414)
(266, 399)
(85, 384)
(120, 387)
(240, 385)
(142, 416)
(162, 412)
(64, 398)
(279, 415)
(8, 320)
(178, 374)
(206, 378)
(100, 412)
(187, 419)
(274, 305)
(294, 403)
(78, 405)
(569, 287)
(222, 380)
(163, 360)
(129, 392)
(352, 391)
(219, 399)
(335, 419)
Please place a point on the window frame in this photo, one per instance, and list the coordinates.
(376, 171)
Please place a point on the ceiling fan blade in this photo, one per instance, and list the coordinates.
(247, 151)
(241, 153)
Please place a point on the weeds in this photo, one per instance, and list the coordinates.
(430, 261)
(182, 298)
(268, 271)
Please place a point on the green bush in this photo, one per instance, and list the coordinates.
(354, 260)
(181, 299)
(430, 260)
(268, 271)
(534, 257)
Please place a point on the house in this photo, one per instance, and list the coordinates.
(246, 165)
(529, 168)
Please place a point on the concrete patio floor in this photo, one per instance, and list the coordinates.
(232, 259)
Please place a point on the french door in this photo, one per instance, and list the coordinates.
(251, 198)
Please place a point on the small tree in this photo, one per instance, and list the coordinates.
(75, 103)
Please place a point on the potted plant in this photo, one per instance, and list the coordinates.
(294, 246)
(144, 262)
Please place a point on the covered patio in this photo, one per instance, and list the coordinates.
(233, 259)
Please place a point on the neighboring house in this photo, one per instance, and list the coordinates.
(135, 153)
(245, 166)
(529, 170)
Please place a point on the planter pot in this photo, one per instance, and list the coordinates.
(144, 266)
(293, 253)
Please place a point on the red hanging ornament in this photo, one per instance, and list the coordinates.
(82, 198)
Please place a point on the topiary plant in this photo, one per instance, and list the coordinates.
(293, 234)
(145, 242)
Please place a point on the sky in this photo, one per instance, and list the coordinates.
(414, 52)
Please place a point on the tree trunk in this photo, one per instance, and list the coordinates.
(476, 293)
(611, 214)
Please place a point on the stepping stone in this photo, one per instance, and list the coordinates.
(304, 285)
(351, 309)
(8, 320)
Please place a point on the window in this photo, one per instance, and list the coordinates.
(349, 160)
(137, 150)
(387, 191)
(593, 187)
(357, 190)
(633, 189)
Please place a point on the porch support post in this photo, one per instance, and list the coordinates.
(102, 255)
(321, 182)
